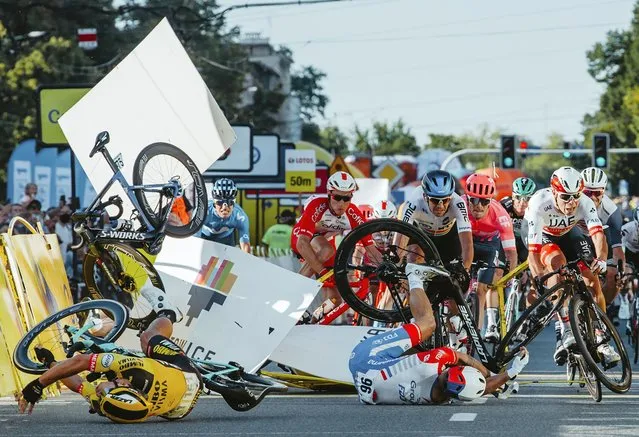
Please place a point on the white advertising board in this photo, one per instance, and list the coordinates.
(239, 157)
(43, 179)
(235, 305)
(322, 350)
(155, 94)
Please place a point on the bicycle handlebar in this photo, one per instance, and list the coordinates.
(570, 264)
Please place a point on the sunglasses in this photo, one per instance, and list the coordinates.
(222, 202)
(521, 198)
(568, 197)
(439, 200)
(340, 198)
(477, 201)
(594, 193)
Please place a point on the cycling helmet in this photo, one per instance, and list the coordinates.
(224, 189)
(384, 209)
(465, 383)
(594, 178)
(341, 181)
(124, 405)
(567, 180)
(438, 183)
(524, 187)
(481, 186)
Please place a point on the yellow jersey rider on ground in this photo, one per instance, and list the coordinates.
(164, 383)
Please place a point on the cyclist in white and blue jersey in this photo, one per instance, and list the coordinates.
(224, 217)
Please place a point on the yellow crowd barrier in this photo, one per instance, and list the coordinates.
(33, 285)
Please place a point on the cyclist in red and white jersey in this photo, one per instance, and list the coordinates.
(553, 238)
(324, 218)
(492, 231)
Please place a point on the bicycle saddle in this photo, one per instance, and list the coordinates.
(100, 143)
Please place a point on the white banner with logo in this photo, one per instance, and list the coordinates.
(236, 307)
(21, 177)
(43, 179)
(322, 350)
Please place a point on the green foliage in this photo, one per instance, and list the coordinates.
(307, 86)
(385, 139)
(334, 140)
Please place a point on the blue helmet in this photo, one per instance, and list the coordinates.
(224, 189)
(438, 183)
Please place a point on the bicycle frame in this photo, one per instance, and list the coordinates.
(342, 307)
(500, 287)
(129, 190)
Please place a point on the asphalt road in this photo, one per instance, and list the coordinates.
(545, 406)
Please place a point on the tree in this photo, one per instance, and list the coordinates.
(334, 140)
(385, 139)
(615, 63)
(307, 86)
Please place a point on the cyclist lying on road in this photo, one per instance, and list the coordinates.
(165, 384)
(383, 375)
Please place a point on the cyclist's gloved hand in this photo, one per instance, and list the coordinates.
(460, 274)
(518, 363)
(44, 356)
(598, 266)
(32, 393)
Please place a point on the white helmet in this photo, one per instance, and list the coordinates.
(594, 178)
(567, 180)
(384, 209)
(465, 383)
(341, 181)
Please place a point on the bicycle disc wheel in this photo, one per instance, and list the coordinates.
(584, 317)
(531, 323)
(50, 334)
(593, 385)
(403, 243)
(158, 163)
(131, 272)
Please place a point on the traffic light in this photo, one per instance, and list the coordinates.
(600, 146)
(507, 151)
(567, 147)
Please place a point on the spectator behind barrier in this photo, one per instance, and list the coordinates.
(30, 193)
(278, 237)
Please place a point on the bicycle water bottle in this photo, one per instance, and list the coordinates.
(121, 225)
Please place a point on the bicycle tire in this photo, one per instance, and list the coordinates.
(534, 330)
(199, 201)
(88, 269)
(584, 345)
(344, 254)
(593, 384)
(21, 353)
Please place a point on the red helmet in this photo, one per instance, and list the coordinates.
(481, 186)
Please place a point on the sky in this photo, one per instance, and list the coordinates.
(449, 66)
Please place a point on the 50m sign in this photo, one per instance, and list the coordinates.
(300, 171)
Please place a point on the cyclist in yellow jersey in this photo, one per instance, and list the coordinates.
(164, 383)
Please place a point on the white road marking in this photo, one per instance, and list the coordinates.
(463, 417)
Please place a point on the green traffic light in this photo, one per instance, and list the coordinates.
(600, 161)
(566, 155)
(508, 162)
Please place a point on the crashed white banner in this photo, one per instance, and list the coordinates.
(236, 307)
(322, 350)
(155, 94)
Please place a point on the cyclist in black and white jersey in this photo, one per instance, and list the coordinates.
(595, 182)
(630, 239)
(442, 214)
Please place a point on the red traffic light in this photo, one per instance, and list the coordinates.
(523, 145)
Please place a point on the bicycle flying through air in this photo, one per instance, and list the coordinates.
(168, 197)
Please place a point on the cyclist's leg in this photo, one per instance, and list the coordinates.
(166, 311)
(488, 252)
(324, 250)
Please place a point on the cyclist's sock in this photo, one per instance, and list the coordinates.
(563, 313)
(558, 330)
(492, 314)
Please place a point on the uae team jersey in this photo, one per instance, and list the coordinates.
(495, 224)
(416, 210)
(544, 218)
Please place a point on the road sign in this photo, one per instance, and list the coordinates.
(338, 164)
(299, 171)
(52, 103)
(267, 191)
(389, 170)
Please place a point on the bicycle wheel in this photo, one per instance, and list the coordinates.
(531, 322)
(409, 244)
(593, 385)
(131, 270)
(158, 163)
(110, 316)
(584, 318)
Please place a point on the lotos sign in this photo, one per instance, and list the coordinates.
(299, 171)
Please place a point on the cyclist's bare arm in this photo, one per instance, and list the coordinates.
(66, 369)
(511, 257)
(467, 249)
(601, 245)
(534, 263)
(373, 253)
(246, 247)
(305, 249)
(467, 360)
